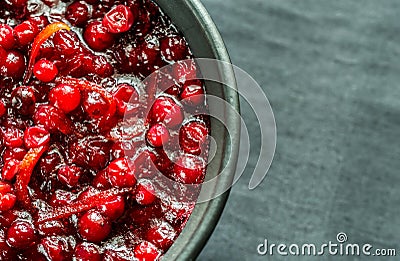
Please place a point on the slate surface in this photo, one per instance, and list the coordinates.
(331, 72)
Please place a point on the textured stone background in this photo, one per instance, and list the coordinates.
(331, 70)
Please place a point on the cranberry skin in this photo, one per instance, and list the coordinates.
(121, 173)
(52, 119)
(45, 70)
(114, 208)
(173, 48)
(98, 37)
(192, 136)
(3, 109)
(93, 152)
(14, 153)
(86, 252)
(145, 193)
(13, 137)
(14, 65)
(166, 110)
(161, 235)
(10, 169)
(127, 99)
(35, 137)
(157, 135)
(25, 32)
(21, 234)
(62, 197)
(94, 104)
(189, 169)
(146, 251)
(7, 201)
(65, 97)
(69, 175)
(99, 65)
(56, 248)
(23, 100)
(93, 226)
(78, 13)
(7, 40)
(67, 43)
(193, 93)
(119, 20)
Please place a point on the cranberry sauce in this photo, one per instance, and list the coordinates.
(95, 165)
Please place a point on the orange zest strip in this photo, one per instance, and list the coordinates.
(79, 206)
(39, 40)
(90, 86)
(25, 172)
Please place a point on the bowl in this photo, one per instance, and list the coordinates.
(195, 23)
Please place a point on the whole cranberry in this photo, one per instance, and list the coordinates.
(193, 93)
(10, 169)
(69, 175)
(165, 109)
(14, 65)
(93, 226)
(121, 173)
(146, 251)
(173, 48)
(119, 19)
(145, 193)
(65, 97)
(94, 104)
(157, 135)
(188, 169)
(86, 252)
(161, 235)
(7, 197)
(114, 208)
(21, 234)
(7, 40)
(45, 70)
(192, 137)
(25, 32)
(98, 37)
(23, 100)
(77, 13)
(35, 137)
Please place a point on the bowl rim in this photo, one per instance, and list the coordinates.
(205, 215)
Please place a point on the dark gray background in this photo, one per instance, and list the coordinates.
(331, 71)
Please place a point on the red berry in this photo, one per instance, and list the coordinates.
(69, 175)
(13, 137)
(3, 108)
(114, 208)
(65, 97)
(10, 169)
(55, 248)
(23, 100)
(146, 251)
(87, 252)
(161, 235)
(98, 37)
(94, 104)
(52, 119)
(127, 99)
(40, 21)
(77, 13)
(67, 43)
(120, 19)
(45, 70)
(173, 48)
(7, 40)
(166, 110)
(193, 93)
(14, 65)
(145, 193)
(93, 226)
(157, 135)
(21, 234)
(35, 137)
(188, 169)
(7, 201)
(184, 70)
(192, 136)
(121, 173)
(14, 153)
(25, 32)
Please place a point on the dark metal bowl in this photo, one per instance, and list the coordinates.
(205, 41)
